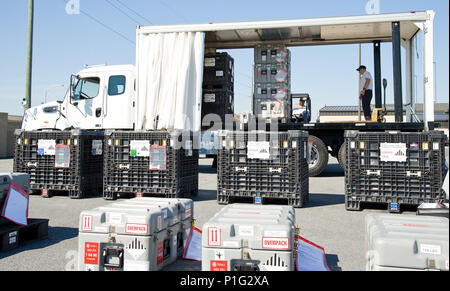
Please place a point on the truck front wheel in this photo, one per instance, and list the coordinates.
(319, 156)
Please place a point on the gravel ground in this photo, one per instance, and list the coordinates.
(323, 221)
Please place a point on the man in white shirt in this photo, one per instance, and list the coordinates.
(366, 95)
(300, 111)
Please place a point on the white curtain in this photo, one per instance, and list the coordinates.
(169, 79)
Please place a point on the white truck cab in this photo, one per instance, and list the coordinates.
(100, 97)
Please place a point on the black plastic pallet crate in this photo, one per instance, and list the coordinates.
(411, 175)
(130, 174)
(81, 177)
(218, 70)
(282, 174)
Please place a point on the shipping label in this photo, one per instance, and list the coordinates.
(258, 150)
(430, 249)
(139, 148)
(393, 152)
(46, 147)
(97, 147)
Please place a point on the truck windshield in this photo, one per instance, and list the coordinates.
(86, 88)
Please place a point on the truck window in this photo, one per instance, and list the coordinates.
(116, 85)
(87, 88)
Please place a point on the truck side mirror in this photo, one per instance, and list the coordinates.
(72, 87)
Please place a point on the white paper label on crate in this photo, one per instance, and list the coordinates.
(393, 152)
(115, 218)
(214, 237)
(275, 243)
(97, 147)
(12, 240)
(230, 244)
(139, 148)
(90, 268)
(210, 98)
(46, 147)
(219, 255)
(430, 249)
(275, 233)
(258, 150)
(219, 73)
(246, 231)
(135, 228)
(210, 62)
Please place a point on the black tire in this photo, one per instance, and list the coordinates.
(342, 155)
(320, 156)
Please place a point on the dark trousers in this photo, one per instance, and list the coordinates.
(366, 100)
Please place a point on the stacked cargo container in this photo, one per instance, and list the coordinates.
(263, 166)
(394, 168)
(141, 234)
(218, 87)
(244, 237)
(272, 82)
(153, 163)
(61, 161)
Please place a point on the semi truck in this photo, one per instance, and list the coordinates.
(123, 97)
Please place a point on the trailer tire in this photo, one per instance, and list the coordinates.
(341, 155)
(319, 156)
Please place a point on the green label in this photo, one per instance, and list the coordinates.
(133, 153)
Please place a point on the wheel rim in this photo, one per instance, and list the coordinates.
(315, 158)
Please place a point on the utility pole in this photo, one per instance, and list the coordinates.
(29, 54)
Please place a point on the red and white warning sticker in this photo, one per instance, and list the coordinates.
(160, 253)
(214, 237)
(90, 253)
(219, 266)
(86, 222)
(275, 243)
(446, 264)
(135, 228)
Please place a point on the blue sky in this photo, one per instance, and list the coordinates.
(63, 43)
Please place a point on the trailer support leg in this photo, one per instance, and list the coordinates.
(397, 61)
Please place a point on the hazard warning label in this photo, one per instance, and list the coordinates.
(219, 266)
(393, 152)
(90, 253)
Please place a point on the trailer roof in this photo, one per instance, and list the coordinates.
(301, 32)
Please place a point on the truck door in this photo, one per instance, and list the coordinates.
(86, 105)
(119, 101)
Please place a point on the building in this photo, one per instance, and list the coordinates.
(8, 124)
(350, 113)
